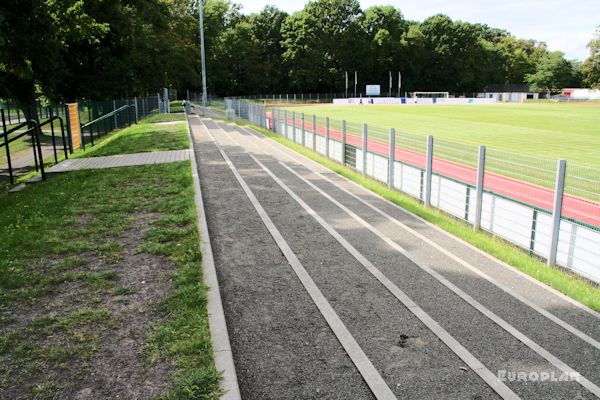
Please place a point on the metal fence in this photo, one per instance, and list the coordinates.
(544, 206)
(99, 118)
(30, 145)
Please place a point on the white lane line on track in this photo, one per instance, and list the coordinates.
(369, 373)
(291, 153)
(459, 292)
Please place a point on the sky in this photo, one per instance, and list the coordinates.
(565, 25)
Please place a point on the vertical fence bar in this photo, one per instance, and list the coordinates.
(10, 171)
(302, 128)
(327, 137)
(136, 110)
(391, 158)
(286, 123)
(314, 132)
(428, 170)
(364, 149)
(479, 187)
(49, 111)
(294, 125)
(344, 142)
(561, 167)
(38, 134)
(279, 121)
(114, 109)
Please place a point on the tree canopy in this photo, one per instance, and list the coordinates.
(591, 66)
(69, 49)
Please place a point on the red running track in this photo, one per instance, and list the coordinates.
(574, 207)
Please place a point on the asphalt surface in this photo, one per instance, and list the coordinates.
(281, 344)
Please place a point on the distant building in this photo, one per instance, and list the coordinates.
(581, 94)
(508, 93)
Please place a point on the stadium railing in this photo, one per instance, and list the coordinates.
(548, 208)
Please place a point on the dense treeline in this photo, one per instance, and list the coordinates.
(68, 49)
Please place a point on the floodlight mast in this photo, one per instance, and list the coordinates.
(202, 57)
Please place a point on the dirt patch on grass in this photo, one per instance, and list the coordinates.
(85, 337)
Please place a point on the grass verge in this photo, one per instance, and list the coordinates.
(72, 284)
(575, 287)
(144, 137)
(141, 140)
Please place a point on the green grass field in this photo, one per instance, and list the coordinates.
(569, 131)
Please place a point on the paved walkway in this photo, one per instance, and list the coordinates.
(122, 160)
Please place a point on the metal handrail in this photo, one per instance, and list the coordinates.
(62, 131)
(110, 114)
(34, 131)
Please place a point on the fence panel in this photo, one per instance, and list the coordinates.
(518, 190)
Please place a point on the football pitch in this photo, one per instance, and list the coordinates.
(569, 131)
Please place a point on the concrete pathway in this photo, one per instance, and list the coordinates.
(122, 160)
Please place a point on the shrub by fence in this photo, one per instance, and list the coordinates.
(545, 206)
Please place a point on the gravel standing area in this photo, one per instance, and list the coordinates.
(282, 347)
(412, 360)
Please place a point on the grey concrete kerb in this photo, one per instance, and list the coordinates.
(216, 316)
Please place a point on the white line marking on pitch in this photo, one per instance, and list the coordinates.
(370, 374)
(462, 294)
(292, 154)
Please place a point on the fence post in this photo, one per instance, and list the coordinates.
(364, 149)
(479, 187)
(314, 128)
(428, 167)
(391, 158)
(294, 126)
(285, 126)
(327, 137)
(561, 167)
(273, 123)
(10, 172)
(279, 121)
(136, 111)
(343, 142)
(302, 128)
(115, 109)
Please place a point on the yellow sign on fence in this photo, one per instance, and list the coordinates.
(75, 126)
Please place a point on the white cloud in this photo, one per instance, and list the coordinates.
(564, 25)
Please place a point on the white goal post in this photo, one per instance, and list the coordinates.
(429, 95)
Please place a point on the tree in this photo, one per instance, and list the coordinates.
(94, 49)
(321, 42)
(553, 72)
(34, 39)
(384, 27)
(456, 58)
(266, 30)
(591, 66)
